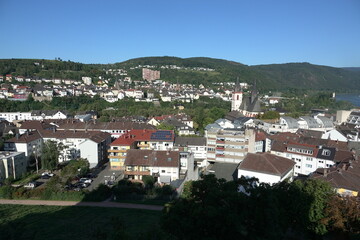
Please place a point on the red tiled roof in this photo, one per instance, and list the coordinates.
(132, 136)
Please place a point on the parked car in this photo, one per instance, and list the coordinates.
(91, 175)
(47, 174)
(85, 180)
(30, 185)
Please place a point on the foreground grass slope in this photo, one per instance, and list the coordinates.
(58, 223)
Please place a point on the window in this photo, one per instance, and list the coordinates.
(321, 161)
(308, 165)
(163, 171)
(166, 144)
(326, 152)
(309, 158)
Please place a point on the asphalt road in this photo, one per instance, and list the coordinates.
(85, 204)
(105, 174)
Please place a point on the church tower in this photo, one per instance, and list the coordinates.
(237, 97)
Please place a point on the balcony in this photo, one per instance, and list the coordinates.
(142, 173)
(220, 155)
(139, 145)
(115, 151)
(220, 148)
(220, 141)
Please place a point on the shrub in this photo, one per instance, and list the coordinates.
(6, 191)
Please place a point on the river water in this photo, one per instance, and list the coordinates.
(353, 98)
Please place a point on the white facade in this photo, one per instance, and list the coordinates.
(264, 177)
(87, 80)
(14, 116)
(21, 116)
(305, 164)
(236, 101)
(89, 150)
(131, 93)
(162, 146)
(32, 147)
(334, 135)
(12, 164)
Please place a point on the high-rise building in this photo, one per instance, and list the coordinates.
(150, 75)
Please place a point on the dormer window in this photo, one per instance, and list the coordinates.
(326, 152)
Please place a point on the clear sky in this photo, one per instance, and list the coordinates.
(325, 32)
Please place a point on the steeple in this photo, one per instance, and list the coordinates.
(237, 85)
(237, 97)
(254, 92)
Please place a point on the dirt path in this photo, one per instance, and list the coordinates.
(87, 204)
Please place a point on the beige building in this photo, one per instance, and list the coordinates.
(229, 145)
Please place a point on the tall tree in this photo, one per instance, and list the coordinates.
(50, 155)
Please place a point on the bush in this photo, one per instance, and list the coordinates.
(101, 193)
(21, 193)
(6, 191)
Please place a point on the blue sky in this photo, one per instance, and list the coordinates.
(325, 32)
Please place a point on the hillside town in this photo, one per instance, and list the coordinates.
(149, 89)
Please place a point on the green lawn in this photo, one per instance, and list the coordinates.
(52, 222)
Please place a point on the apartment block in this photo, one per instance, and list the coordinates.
(150, 75)
(12, 164)
(229, 145)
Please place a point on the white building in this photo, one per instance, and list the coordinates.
(195, 145)
(29, 143)
(309, 157)
(90, 145)
(12, 164)
(87, 80)
(266, 167)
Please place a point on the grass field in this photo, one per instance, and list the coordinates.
(52, 222)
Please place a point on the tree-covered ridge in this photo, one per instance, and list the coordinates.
(268, 77)
(41, 68)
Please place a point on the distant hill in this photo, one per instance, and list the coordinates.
(354, 69)
(268, 77)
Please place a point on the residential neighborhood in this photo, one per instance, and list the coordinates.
(240, 144)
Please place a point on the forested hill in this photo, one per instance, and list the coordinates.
(197, 70)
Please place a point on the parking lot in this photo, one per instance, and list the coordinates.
(105, 175)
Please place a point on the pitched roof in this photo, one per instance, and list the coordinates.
(345, 176)
(137, 157)
(34, 124)
(309, 133)
(295, 138)
(132, 136)
(26, 138)
(95, 136)
(190, 141)
(267, 163)
(93, 125)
